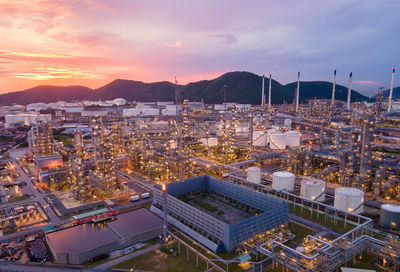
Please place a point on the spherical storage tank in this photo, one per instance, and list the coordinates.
(259, 138)
(313, 189)
(254, 174)
(277, 140)
(293, 138)
(283, 180)
(349, 199)
(119, 101)
(390, 216)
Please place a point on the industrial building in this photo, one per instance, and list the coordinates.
(75, 245)
(210, 229)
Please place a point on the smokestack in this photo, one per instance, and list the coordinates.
(262, 93)
(269, 91)
(391, 91)
(297, 91)
(333, 88)
(349, 91)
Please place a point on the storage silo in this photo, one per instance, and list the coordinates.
(277, 140)
(269, 132)
(254, 174)
(293, 138)
(313, 189)
(212, 142)
(283, 180)
(288, 123)
(349, 199)
(390, 216)
(259, 138)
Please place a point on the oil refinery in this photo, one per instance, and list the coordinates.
(294, 187)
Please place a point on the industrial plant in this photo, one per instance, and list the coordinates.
(307, 186)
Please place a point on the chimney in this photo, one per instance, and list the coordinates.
(349, 91)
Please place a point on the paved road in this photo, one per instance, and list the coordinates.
(13, 267)
(106, 266)
(37, 197)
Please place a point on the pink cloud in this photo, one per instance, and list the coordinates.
(174, 44)
(225, 38)
(366, 82)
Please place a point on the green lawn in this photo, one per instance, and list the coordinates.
(205, 205)
(300, 231)
(18, 198)
(162, 260)
(366, 262)
(321, 219)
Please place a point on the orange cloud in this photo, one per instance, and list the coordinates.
(33, 55)
(42, 73)
(175, 44)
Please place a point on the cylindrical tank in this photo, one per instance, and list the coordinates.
(212, 141)
(172, 144)
(241, 129)
(259, 138)
(277, 140)
(254, 174)
(390, 216)
(283, 180)
(313, 189)
(269, 132)
(293, 138)
(349, 199)
(288, 123)
(27, 121)
(204, 141)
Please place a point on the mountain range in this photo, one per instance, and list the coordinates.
(241, 87)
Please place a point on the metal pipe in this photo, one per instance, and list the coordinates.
(349, 91)
(391, 90)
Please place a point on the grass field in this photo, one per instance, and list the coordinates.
(163, 260)
(321, 219)
(300, 231)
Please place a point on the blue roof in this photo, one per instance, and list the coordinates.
(245, 258)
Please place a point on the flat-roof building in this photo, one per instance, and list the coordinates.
(217, 213)
(75, 245)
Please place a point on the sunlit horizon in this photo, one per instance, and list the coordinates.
(94, 42)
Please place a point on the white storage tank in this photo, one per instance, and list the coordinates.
(269, 132)
(283, 180)
(254, 174)
(204, 141)
(27, 121)
(212, 141)
(390, 216)
(259, 138)
(293, 138)
(277, 140)
(288, 123)
(349, 199)
(241, 129)
(313, 189)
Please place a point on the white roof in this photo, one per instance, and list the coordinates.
(283, 174)
(391, 207)
(346, 269)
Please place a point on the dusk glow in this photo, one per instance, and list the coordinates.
(93, 42)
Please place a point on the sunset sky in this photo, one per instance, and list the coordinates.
(92, 42)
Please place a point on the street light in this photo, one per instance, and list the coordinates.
(164, 192)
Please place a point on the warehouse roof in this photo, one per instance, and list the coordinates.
(81, 238)
(137, 222)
